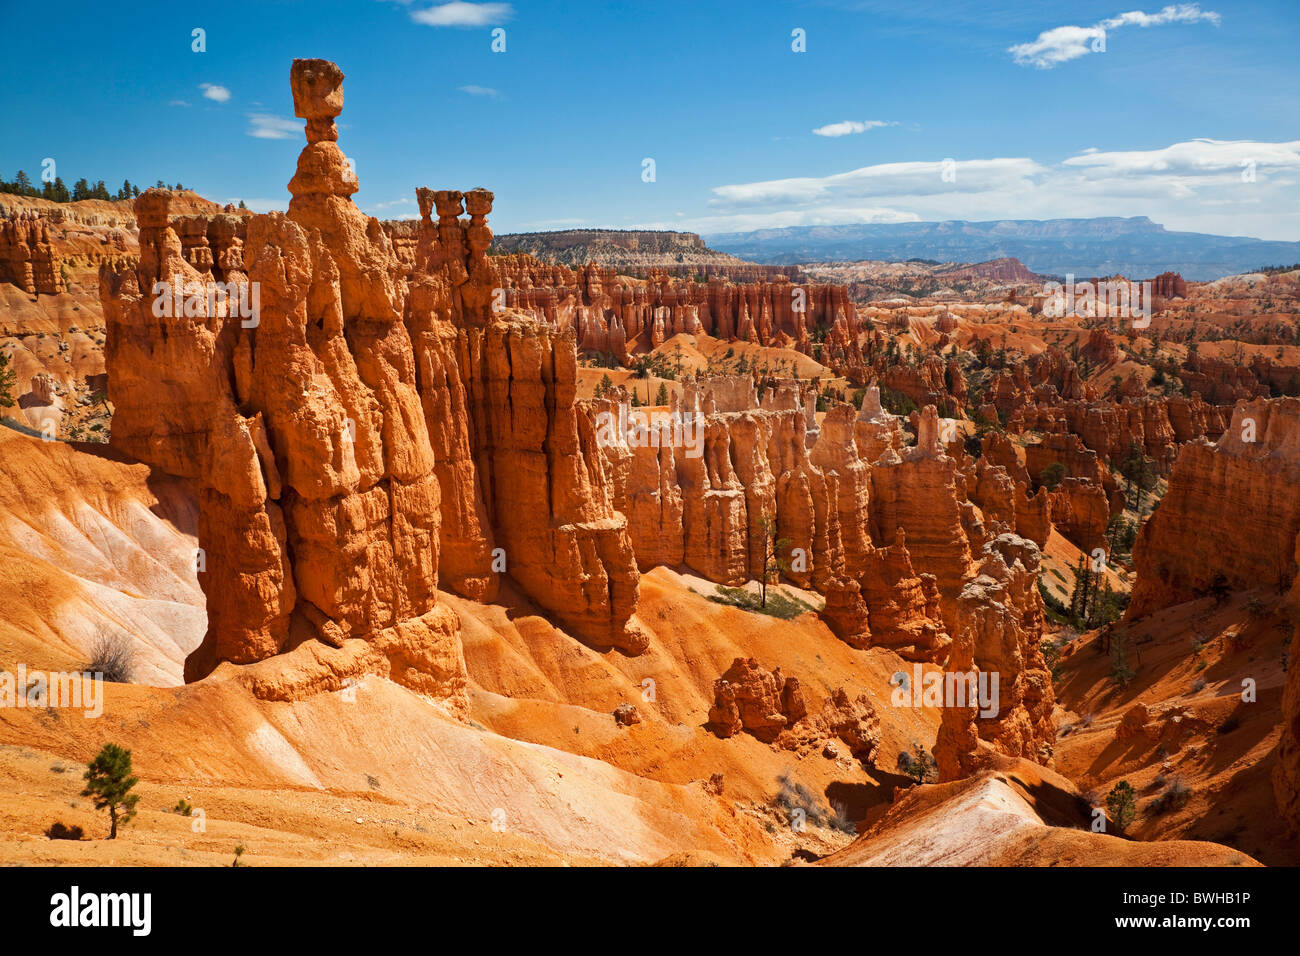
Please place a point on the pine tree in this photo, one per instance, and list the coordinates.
(61, 193)
(100, 191)
(7, 381)
(662, 397)
(1121, 803)
(109, 781)
(773, 563)
(80, 190)
(23, 185)
(1078, 588)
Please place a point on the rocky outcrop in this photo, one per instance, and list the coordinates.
(518, 457)
(1169, 285)
(747, 697)
(1231, 515)
(319, 509)
(1081, 512)
(852, 721)
(1068, 450)
(1286, 776)
(27, 257)
(903, 605)
(917, 492)
(1000, 623)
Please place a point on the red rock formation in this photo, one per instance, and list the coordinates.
(308, 426)
(319, 509)
(1000, 623)
(903, 606)
(1231, 519)
(1007, 271)
(853, 721)
(1232, 512)
(1068, 450)
(772, 708)
(610, 312)
(748, 697)
(846, 614)
(1101, 348)
(27, 258)
(1169, 285)
(917, 492)
(1081, 512)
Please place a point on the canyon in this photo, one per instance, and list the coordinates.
(385, 511)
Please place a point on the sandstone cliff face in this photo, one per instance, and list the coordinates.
(1081, 512)
(917, 492)
(533, 484)
(614, 313)
(27, 259)
(1232, 511)
(1231, 518)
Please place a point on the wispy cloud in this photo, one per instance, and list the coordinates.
(1062, 44)
(473, 90)
(178, 103)
(848, 127)
(885, 179)
(268, 126)
(461, 14)
(1196, 158)
(212, 91)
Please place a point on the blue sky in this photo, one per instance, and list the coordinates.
(1190, 114)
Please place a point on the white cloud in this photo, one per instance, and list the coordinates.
(820, 216)
(1203, 185)
(473, 90)
(178, 103)
(885, 179)
(212, 91)
(460, 14)
(1194, 158)
(849, 126)
(267, 126)
(1062, 44)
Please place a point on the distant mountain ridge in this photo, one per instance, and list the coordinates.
(1135, 247)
